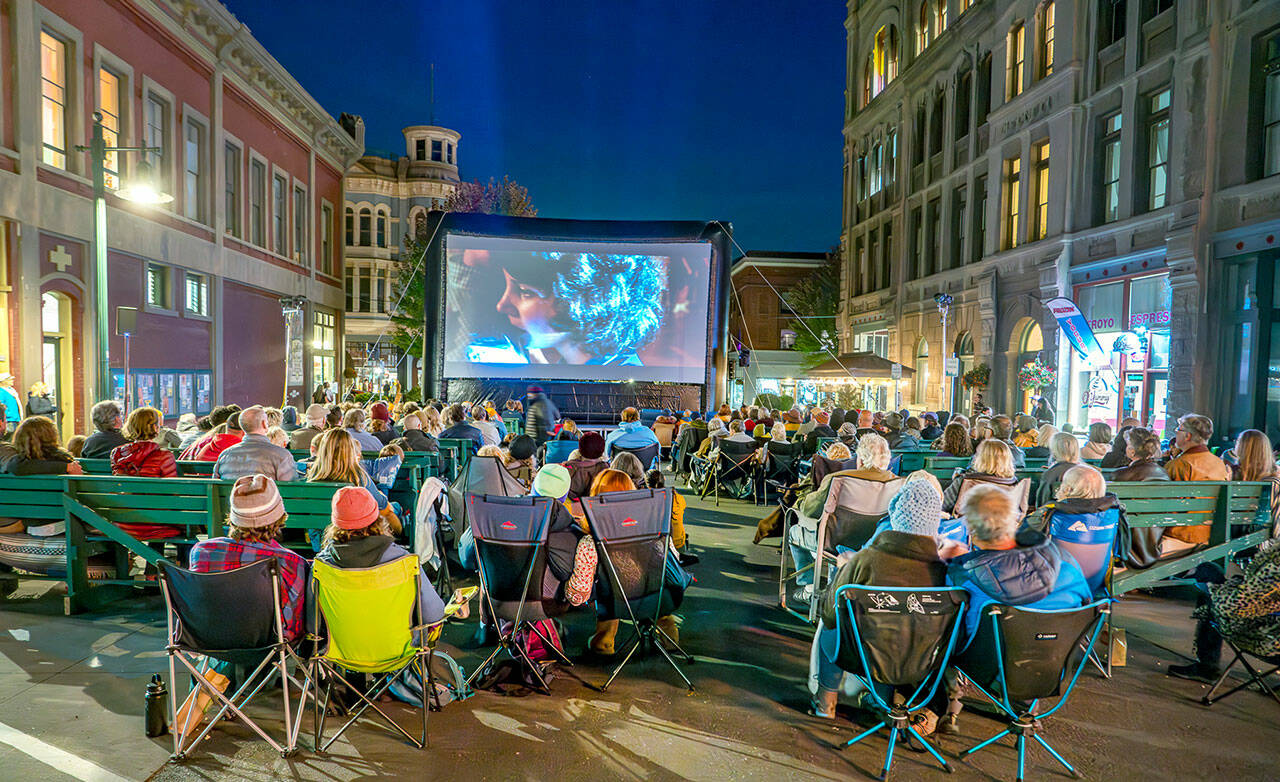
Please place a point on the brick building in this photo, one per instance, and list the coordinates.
(255, 166)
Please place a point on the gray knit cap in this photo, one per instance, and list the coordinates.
(916, 509)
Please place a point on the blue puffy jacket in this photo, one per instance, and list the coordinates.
(629, 434)
(1038, 575)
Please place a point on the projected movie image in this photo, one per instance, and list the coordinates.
(518, 308)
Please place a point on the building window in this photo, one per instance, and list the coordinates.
(917, 244)
(918, 136)
(193, 172)
(437, 150)
(325, 264)
(1111, 17)
(380, 291)
(158, 286)
(934, 256)
(939, 17)
(231, 192)
(922, 370)
(448, 153)
(279, 215)
(420, 149)
(923, 27)
(1110, 147)
(300, 211)
(1271, 106)
(257, 202)
(891, 158)
(110, 106)
(156, 134)
(351, 288)
(964, 89)
(322, 331)
(197, 294)
(936, 122)
(877, 168)
(365, 300)
(1040, 181)
(984, 90)
(1044, 53)
(959, 219)
(1158, 149)
(882, 65)
(366, 228)
(978, 245)
(1153, 8)
(886, 257)
(382, 228)
(1009, 202)
(351, 226)
(1017, 58)
(53, 99)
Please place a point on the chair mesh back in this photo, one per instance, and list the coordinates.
(1089, 538)
(559, 450)
(856, 506)
(369, 612)
(904, 635)
(486, 475)
(511, 544)
(822, 467)
(735, 462)
(631, 528)
(647, 455)
(202, 621)
(1038, 649)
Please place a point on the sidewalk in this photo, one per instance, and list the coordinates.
(76, 685)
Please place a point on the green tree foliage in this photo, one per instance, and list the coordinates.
(814, 300)
(505, 198)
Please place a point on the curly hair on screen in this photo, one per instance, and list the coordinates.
(613, 302)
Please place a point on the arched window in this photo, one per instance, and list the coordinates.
(351, 226)
(939, 17)
(420, 226)
(965, 360)
(366, 228)
(882, 62)
(382, 228)
(1030, 341)
(868, 79)
(922, 370)
(923, 22)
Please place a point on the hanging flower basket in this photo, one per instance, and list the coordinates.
(1036, 375)
(978, 377)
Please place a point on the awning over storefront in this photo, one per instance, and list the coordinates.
(858, 365)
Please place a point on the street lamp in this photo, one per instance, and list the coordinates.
(943, 300)
(144, 191)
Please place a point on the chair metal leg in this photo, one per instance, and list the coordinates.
(630, 651)
(547, 641)
(888, 756)
(1208, 699)
(986, 743)
(1055, 754)
(476, 671)
(932, 751)
(688, 658)
(864, 734)
(679, 672)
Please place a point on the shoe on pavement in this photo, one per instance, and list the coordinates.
(1196, 671)
(948, 725)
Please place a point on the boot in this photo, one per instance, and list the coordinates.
(823, 705)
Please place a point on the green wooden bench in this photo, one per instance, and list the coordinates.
(455, 453)
(103, 467)
(910, 460)
(513, 424)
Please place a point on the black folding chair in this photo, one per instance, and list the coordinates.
(482, 475)
(511, 548)
(1025, 655)
(252, 636)
(900, 637)
(1257, 675)
(632, 531)
(734, 463)
(781, 468)
(821, 467)
(647, 455)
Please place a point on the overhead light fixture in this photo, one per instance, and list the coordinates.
(142, 189)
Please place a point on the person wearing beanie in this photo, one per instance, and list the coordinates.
(254, 523)
(571, 554)
(380, 426)
(357, 537)
(519, 458)
(932, 429)
(540, 415)
(316, 422)
(589, 464)
(905, 555)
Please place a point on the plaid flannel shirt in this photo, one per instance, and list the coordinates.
(217, 555)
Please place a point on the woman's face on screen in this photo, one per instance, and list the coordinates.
(529, 309)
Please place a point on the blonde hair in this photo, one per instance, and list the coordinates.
(611, 480)
(1083, 482)
(143, 423)
(838, 451)
(779, 432)
(1064, 447)
(337, 459)
(491, 450)
(873, 451)
(1045, 434)
(278, 436)
(993, 457)
(1253, 454)
(430, 418)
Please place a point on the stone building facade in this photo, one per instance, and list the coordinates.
(1007, 152)
(388, 197)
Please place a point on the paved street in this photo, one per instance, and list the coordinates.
(71, 704)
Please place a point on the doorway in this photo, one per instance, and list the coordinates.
(56, 356)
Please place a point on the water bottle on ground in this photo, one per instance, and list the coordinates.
(157, 707)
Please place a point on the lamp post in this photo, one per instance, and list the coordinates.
(142, 191)
(943, 300)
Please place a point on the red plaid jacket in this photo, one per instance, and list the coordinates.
(221, 554)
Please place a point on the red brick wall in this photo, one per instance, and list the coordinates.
(161, 341)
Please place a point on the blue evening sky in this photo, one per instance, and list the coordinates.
(678, 109)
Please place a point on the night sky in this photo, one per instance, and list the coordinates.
(680, 109)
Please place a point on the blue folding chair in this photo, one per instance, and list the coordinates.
(1024, 655)
(558, 451)
(1091, 539)
(898, 637)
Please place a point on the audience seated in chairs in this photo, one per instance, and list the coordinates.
(1028, 570)
(589, 463)
(631, 434)
(1255, 461)
(1083, 519)
(955, 441)
(873, 463)
(628, 463)
(1044, 437)
(1141, 450)
(905, 555)
(992, 463)
(820, 428)
(1099, 444)
(848, 434)
(255, 521)
(1064, 453)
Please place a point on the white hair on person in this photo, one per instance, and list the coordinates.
(990, 513)
(873, 451)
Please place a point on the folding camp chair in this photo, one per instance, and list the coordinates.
(648, 455)
(632, 531)
(1259, 675)
(511, 548)
(665, 432)
(369, 621)
(820, 467)
(252, 636)
(1020, 491)
(1092, 543)
(482, 475)
(853, 509)
(733, 462)
(1025, 655)
(557, 451)
(900, 637)
(781, 468)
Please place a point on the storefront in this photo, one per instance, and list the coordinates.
(1131, 318)
(1250, 349)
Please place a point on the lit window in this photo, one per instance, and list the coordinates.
(1011, 196)
(882, 63)
(109, 106)
(53, 100)
(1017, 57)
(1111, 127)
(158, 286)
(322, 331)
(923, 20)
(1040, 161)
(197, 294)
(1045, 55)
(231, 193)
(1158, 150)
